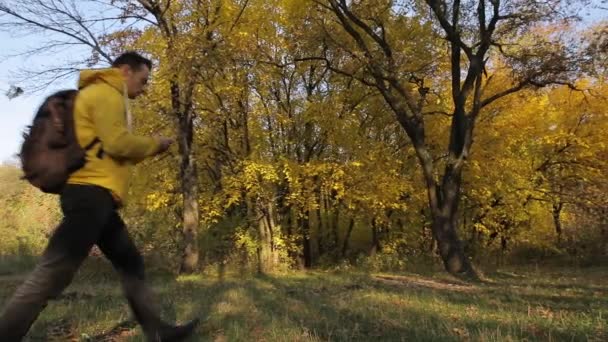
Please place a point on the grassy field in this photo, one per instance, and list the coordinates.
(531, 305)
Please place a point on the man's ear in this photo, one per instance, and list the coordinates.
(125, 70)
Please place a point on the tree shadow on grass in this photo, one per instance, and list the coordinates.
(95, 299)
(565, 296)
(315, 306)
(306, 304)
(179, 300)
(308, 308)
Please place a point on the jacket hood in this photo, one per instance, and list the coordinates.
(111, 76)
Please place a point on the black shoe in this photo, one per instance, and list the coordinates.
(180, 332)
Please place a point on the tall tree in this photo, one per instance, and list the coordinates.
(75, 25)
(479, 36)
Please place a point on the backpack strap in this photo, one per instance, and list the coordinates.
(92, 144)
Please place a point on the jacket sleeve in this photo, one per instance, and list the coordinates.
(108, 115)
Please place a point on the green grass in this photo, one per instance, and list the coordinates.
(545, 305)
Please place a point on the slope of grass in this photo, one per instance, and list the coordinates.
(546, 305)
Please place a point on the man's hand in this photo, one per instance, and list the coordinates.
(165, 143)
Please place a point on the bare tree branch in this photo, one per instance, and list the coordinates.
(440, 112)
(154, 8)
(521, 85)
(45, 22)
(452, 34)
(379, 40)
(238, 17)
(125, 13)
(69, 26)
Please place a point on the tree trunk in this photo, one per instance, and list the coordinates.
(320, 232)
(444, 198)
(190, 258)
(322, 223)
(556, 212)
(306, 250)
(450, 247)
(265, 238)
(293, 255)
(604, 230)
(189, 180)
(376, 247)
(272, 219)
(335, 228)
(351, 225)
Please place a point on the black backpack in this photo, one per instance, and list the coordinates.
(50, 151)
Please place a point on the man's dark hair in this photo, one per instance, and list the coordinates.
(132, 59)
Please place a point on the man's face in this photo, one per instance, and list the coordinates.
(136, 80)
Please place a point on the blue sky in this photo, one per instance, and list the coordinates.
(17, 113)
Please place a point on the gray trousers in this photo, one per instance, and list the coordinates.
(90, 218)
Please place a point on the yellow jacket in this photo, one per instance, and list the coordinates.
(100, 112)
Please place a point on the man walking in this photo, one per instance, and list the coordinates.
(90, 202)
